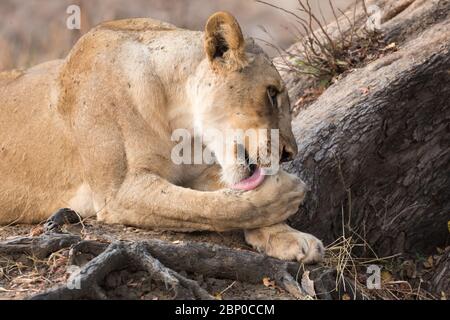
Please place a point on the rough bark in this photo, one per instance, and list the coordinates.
(375, 147)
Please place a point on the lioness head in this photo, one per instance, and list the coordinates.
(239, 88)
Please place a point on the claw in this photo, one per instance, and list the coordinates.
(60, 218)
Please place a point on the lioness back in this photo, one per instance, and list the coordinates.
(39, 160)
(137, 25)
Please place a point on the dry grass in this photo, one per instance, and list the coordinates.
(29, 275)
(351, 254)
(321, 54)
(341, 256)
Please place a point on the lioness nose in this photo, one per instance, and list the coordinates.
(287, 154)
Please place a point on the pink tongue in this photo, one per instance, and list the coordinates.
(250, 183)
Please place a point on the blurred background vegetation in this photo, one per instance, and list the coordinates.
(33, 31)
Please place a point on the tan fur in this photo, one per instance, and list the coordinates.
(93, 131)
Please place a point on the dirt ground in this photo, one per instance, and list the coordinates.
(402, 278)
(27, 276)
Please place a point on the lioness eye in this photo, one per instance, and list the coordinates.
(272, 94)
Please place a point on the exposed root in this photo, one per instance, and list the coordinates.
(39, 247)
(184, 288)
(167, 263)
(215, 262)
(222, 262)
(87, 283)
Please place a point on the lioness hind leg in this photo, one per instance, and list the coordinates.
(283, 242)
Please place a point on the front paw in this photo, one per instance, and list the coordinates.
(287, 245)
(278, 198)
(296, 245)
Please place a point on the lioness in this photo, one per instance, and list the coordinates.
(93, 132)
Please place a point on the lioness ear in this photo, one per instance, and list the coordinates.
(224, 43)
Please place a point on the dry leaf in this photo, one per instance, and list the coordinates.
(429, 263)
(268, 283)
(390, 46)
(218, 296)
(308, 284)
(386, 276)
(408, 269)
(345, 296)
(36, 231)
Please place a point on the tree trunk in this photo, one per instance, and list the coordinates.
(375, 147)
